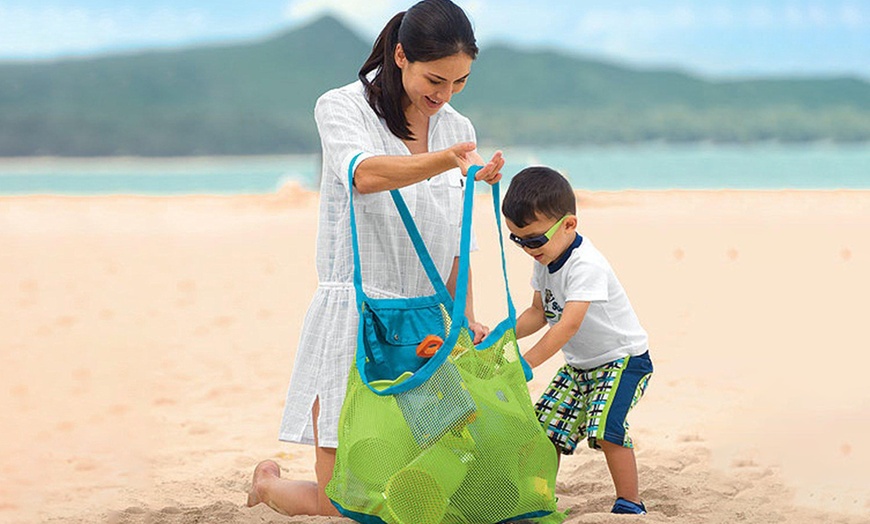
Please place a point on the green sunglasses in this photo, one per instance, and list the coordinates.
(540, 240)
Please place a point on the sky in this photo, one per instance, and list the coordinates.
(712, 38)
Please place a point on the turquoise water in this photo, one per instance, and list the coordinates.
(706, 166)
(213, 175)
(594, 168)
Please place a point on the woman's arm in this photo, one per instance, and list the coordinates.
(383, 173)
(342, 127)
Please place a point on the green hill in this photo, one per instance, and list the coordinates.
(547, 97)
(258, 98)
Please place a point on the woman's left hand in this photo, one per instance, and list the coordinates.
(479, 330)
(491, 171)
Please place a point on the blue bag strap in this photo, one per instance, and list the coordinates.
(496, 204)
(413, 232)
(512, 312)
(420, 246)
(357, 273)
(457, 315)
(461, 293)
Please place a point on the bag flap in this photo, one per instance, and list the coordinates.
(403, 327)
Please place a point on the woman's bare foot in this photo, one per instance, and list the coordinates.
(265, 471)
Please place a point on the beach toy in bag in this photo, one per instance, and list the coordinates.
(436, 430)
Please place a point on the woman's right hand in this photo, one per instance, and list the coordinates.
(466, 155)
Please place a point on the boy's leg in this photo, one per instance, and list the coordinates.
(296, 497)
(623, 470)
(619, 385)
(561, 412)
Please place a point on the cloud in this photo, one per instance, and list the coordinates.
(680, 32)
(49, 31)
(854, 18)
(641, 33)
(765, 16)
(597, 21)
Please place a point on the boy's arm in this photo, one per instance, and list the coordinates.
(532, 319)
(480, 331)
(558, 334)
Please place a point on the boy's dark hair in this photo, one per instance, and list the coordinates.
(537, 190)
(429, 30)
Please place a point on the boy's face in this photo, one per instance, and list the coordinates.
(559, 242)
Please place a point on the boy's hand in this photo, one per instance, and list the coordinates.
(479, 331)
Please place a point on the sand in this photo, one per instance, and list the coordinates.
(146, 344)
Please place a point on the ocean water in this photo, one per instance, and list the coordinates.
(763, 166)
(144, 176)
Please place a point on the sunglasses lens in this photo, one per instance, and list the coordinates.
(531, 243)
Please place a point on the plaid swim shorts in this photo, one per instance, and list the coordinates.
(594, 402)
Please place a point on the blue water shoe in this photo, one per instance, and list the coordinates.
(628, 507)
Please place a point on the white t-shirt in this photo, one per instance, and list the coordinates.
(610, 329)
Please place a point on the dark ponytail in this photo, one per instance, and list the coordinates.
(384, 91)
(430, 30)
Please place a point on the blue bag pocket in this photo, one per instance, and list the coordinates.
(392, 334)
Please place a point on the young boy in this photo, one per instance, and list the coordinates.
(591, 321)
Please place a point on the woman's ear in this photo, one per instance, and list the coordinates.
(399, 55)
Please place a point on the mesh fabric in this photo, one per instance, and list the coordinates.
(464, 447)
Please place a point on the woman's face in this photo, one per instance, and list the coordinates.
(430, 85)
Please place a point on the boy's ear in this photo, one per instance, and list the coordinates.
(571, 223)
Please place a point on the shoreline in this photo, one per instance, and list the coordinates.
(520, 148)
(597, 198)
(124, 159)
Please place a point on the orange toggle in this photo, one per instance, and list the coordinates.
(429, 346)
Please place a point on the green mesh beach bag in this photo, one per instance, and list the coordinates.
(433, 428)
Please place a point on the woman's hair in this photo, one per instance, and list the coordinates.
(430, 30)
(538, 190)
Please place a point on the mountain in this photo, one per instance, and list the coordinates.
(241, 99)
(518, 96)
(258, 98)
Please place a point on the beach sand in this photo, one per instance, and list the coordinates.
(146, 345)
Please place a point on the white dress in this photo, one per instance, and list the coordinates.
(390, 266)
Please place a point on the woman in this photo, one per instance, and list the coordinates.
(397, 115)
